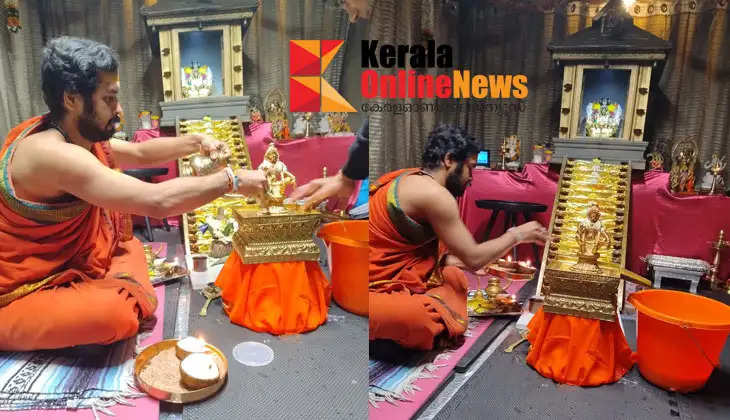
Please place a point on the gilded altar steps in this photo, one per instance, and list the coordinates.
(567, 289)
(229, 131)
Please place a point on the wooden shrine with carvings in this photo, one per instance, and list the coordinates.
(200, 45)
(608, 70)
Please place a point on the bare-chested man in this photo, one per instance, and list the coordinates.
(417, 292)
(70, 271)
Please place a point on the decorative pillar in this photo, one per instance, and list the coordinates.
(593, 10)
(575, 12)
(659, 18)
(640, 13)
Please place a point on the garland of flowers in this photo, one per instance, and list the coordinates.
(13, 16)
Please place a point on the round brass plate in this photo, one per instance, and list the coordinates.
(178, 397)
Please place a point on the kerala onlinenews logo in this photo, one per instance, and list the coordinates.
(308, 91)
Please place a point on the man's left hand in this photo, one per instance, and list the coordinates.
(213, 148)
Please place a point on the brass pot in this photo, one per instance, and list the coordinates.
(494, 288)
(203, 165)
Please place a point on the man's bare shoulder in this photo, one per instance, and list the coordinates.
(39, 144)
(421, 193)
(43, 137)
(36, 149)
(47, 146)
(45, 155)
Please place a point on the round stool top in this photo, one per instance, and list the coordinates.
(512, 206)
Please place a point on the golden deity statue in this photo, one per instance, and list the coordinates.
(511, 153)
(684, 159)
(715, 167)
(278, 178)
(275, 108)
(656, 161)
(591, 237)
(337, 123)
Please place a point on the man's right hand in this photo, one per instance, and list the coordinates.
(251, 182)
(531, 232)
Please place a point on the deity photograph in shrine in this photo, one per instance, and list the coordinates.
(604, 102)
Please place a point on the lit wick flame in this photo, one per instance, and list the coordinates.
(509, 258)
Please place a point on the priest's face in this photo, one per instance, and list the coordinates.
(458, 177)
(101, 115)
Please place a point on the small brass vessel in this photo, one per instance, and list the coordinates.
(494, 288)
(204, 165)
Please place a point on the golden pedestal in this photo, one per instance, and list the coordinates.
(267, 238)
(586, 295)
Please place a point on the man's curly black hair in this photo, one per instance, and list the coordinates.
(73, 65)
(448, 139)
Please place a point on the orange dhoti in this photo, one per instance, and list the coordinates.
(412, 299)
(414, 320)
(70, 273)
(578, 351)
(278, 298)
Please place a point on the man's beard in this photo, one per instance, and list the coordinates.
(453, 181)
(90, 131)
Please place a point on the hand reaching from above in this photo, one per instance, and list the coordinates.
(321, 189)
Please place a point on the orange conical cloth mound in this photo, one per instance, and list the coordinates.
(578, 351)
(278, 298)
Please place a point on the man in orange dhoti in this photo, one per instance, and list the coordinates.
(70, 271)
(416, 295)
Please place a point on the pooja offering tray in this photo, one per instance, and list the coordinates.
(160, 270)
(157, 370)
(493, 300)
(168, 275)
(202, 234)
(503, 305)
(582, 267)
(509, 274)
(512, 270)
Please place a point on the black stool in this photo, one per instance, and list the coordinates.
(146, 174)
(511, 209)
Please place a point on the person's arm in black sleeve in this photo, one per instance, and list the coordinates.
(357, 166)
(343, 184)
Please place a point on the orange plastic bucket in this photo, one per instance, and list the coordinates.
(349, 263)
(679, 337)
